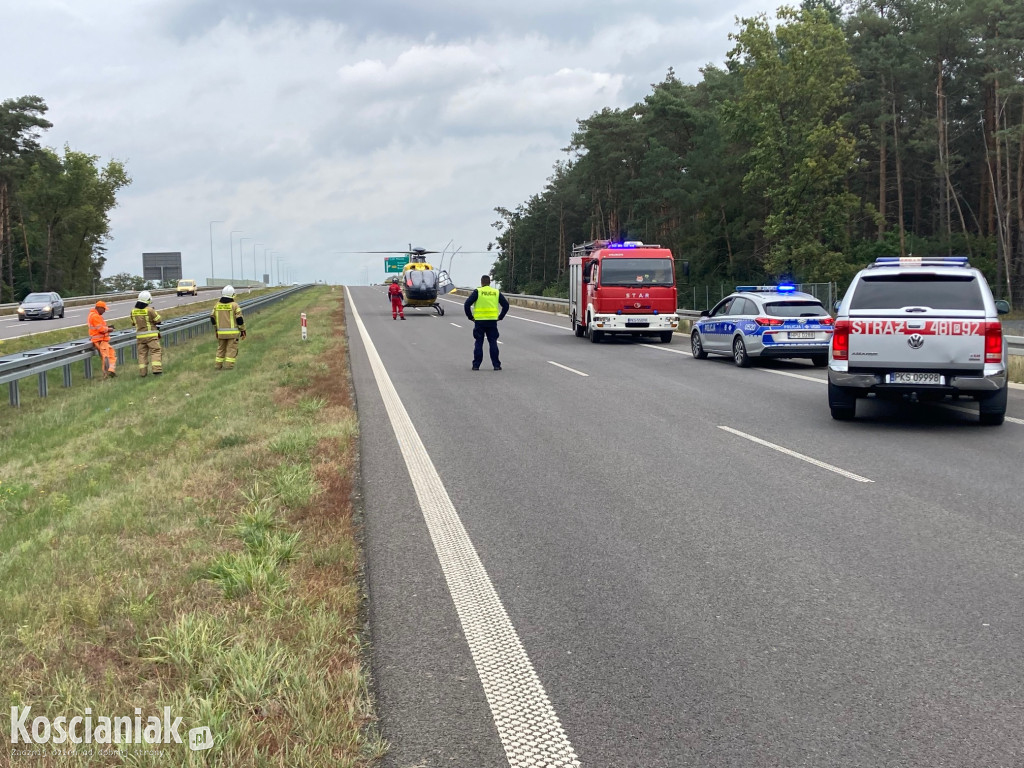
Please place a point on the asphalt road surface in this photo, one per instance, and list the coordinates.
(615, 555)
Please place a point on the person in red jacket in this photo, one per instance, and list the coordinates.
(397, 303)
(99, 335)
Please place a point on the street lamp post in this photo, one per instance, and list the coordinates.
(254, 276)
(231, 238)
(241, 269)
(215, 221)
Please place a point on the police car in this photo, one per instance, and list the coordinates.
(764, 321)
(919, 329)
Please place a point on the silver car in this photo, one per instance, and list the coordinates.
(41, 306)
(764, 321)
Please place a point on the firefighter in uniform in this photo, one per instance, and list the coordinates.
(227, 319)
(395, 294)
(482, 308)
(99, 335)
(147, 334)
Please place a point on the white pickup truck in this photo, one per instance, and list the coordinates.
(919, 329)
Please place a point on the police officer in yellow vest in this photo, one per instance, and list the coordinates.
(227, 319)
(147, 334)
(482, 307)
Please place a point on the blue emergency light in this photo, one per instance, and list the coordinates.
(782, 288)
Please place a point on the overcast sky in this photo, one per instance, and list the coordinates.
(315, 127)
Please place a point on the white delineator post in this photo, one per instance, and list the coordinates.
(303, 326)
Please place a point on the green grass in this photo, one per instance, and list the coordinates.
(188, 541)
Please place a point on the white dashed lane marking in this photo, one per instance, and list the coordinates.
(795, 455)
(527, 724)
(567, 368)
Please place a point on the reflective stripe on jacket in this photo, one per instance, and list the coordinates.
(98, 328)
(486, 305)
(145, 321)
(224, 315)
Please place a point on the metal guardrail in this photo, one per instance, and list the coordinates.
(38, 362)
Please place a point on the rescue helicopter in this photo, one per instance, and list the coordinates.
(421, 282)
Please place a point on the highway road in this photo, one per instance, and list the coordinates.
(615, 555)
(11, 327)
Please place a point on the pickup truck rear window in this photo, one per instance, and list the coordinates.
(918, 290)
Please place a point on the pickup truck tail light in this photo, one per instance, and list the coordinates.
(993, 342)
(841, 340)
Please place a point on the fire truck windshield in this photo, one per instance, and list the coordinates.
(636, 272)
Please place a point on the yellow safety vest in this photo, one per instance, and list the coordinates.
(144, 328)
(486, 305)
(225, 315)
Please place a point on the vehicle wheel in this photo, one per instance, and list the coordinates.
(595, 335)
(992, 409)
(842, 404)
(819, 361)
(21, 319)
(697, 347)
(666, 337)
(739, 353)
(578, 329)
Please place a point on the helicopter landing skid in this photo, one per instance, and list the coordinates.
(440, 309)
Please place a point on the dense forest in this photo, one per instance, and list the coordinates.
(53, 208)
(832, 136)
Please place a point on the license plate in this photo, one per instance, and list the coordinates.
(801, 334)
(630, 321)
(915, 378)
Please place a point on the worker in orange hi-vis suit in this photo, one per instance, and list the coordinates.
(397, 302)
(99, 335)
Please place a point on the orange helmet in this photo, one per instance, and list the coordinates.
(101, 305)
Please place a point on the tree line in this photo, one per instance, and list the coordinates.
(832, 136)
(54, 208)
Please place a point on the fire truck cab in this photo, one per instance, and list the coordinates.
(622, 288)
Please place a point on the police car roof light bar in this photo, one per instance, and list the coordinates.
(919, 261)
(783, 288)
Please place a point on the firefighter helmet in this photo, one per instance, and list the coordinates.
(145, 297)
(394, 279)
(228, 291)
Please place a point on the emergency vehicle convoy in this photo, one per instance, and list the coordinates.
(622, 288)
(921, 329)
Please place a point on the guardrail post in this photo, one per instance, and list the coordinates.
(15, 395)
(43, 389)
(67, 376)
(88, 365)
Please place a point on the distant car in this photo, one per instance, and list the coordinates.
(187, 286)
(764, 321)
(41, 306)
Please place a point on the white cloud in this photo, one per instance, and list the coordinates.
(315, 127)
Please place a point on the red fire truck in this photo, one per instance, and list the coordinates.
(626, 287)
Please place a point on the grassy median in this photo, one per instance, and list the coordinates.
(188, 541)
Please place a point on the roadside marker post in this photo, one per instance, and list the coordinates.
(304, 326)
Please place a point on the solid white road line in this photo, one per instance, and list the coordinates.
(567, 368)
(796, 455)
(528, 727)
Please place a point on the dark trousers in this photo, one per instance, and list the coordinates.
(488, 328)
